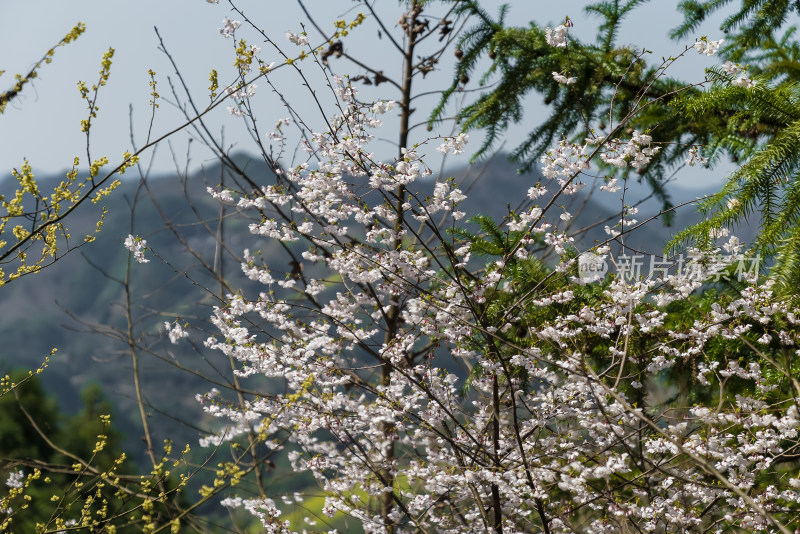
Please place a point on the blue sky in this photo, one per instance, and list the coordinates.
(44, 125)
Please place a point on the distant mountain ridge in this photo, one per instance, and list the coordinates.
(72, 304)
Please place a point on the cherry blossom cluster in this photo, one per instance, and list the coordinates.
(636, 153)
(695, 158)
(298, 39)
(737, 70)
(706, 47)
(557, 37)
(565, 162)
(229, 27)
(137, 245)
(15, 479)
(175, 332)
(454, 144)
(560, 78)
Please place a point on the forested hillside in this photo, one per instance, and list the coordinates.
(79, 307)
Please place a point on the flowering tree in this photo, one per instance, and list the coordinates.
(434, 378)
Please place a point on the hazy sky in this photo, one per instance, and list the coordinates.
(44, 125)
